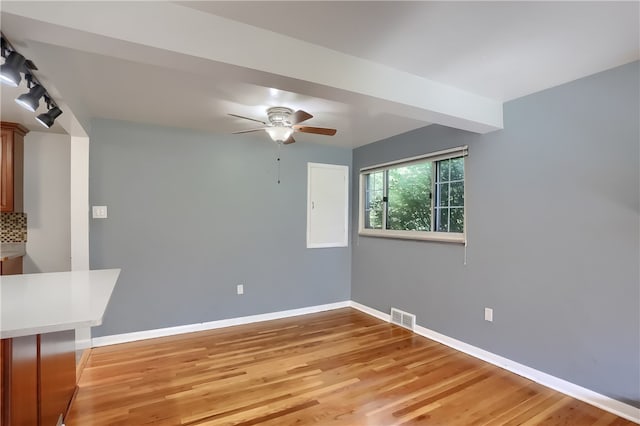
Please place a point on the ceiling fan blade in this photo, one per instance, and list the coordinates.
(316, 130)
(290, 140)
(248, 131)
(299, 116)
(247, 118)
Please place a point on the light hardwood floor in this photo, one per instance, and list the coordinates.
(340, 367)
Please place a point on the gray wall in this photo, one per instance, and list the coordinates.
(47, 174)
(193, 214)
(553, 230)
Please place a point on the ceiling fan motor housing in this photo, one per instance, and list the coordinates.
(280, 116)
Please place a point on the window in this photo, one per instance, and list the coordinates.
(416, 198)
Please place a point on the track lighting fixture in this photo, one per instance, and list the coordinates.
(47, 118)
(11, 69)
(11, 74)
(31, 100)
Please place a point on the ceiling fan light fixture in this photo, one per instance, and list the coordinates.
(10, 70)
(283, 122)
(31, 100)
(279, 133)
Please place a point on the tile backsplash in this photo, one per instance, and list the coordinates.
(13, 227)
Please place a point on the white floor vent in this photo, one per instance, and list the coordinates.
(403, 319)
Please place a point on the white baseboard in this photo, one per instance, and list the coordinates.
(190, 328)
(606, 403)
(373, 312)
(83, 338)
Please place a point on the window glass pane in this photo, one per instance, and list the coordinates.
(443, 170)
(373, 219)
(443, 220)
(443, 194)
(376, 181)
(425, 196)
(456, 220)
(457, 168)
(409, 197)
(450, 200)
(373, 201)
(456, 194)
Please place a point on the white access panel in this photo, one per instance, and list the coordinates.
(327, 205)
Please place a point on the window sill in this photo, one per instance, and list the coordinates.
(444, 237)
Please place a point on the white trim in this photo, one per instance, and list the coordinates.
(360, 203)
(83, 338)
(370, 311)
(79, 202)
(606, 403)
(444, 237)
(460, 151)
(211, 325)
(79, 214)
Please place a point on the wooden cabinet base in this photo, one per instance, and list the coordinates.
(20, 381)
(38, 378)
(57, 375)
(11, 266)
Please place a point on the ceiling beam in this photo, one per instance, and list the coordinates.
(310, 68)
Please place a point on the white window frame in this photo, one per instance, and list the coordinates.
(452, 237)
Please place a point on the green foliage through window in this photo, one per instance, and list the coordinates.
(409, 205)
(425, 196)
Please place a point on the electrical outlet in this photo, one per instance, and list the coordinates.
(488, 314)
(240, 288)
(99, 212)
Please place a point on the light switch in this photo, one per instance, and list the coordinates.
(488, 314)
(99, 212)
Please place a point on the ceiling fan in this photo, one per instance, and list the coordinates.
(283, 122)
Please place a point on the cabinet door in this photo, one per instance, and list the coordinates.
(20, 381)
(11, 166)
(6, 171)
(57, 374)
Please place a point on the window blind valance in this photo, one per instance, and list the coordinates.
(461, 151)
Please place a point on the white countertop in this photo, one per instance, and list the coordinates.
(44, 303)
(11, 250)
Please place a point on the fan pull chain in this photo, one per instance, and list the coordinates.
(279, 146)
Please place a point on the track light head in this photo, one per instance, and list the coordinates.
(31, 100)
(47, 118)
(10, 70)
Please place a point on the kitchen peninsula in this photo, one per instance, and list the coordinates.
(38, 317)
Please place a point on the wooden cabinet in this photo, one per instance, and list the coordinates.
(11, 166)
(11, 266)
(20, 381)
(57, 377)
(38, 376)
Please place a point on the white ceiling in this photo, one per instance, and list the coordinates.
(370, 69)
(502, 50)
